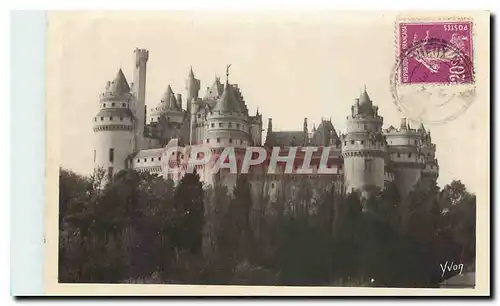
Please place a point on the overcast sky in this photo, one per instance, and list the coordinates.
(290, 66)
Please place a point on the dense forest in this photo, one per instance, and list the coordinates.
(140, 228)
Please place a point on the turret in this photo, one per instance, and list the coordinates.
(269, 130)
(363, 147)
(404, 151)
(139, 90)
(192, 89)
(114, 126)
(227, 121)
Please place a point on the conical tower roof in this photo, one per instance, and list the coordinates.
(168, 100)
(120, 85)
(365, 104)
(364, 99)
(228, 101)
(216, 90)
(191, 74)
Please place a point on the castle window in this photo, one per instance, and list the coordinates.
(145, 160)
(218, 139)
(416, 141)
(272, 185)
(121, 118)
(409, 154)
(220, 124)
(362, 142)
(112, 104)
(230, 140)
(123, 104)
(102, 118)
(104, 105)
(95, 119)
(207, 140)
(159, 158)
(399, 154)
(111, 155)
(366, 128)
(345, 143)
(110, 117)
(229, 124)
(138, 160)
(199, 116)
(237, 125)
(152, 159)
(373, 142)
(212, 125)
(241, 141)
(352, 141)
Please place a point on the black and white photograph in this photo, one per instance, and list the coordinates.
(329, 150)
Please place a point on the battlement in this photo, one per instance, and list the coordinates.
(141, 55)
(141, 51)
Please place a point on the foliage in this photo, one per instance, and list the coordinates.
(140, 228)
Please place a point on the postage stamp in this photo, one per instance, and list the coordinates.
(436, 52)
(433, 78)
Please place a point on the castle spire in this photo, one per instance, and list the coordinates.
(227, 73)
(191, 74)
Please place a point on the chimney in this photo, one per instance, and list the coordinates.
(179, 100)
(403, 124)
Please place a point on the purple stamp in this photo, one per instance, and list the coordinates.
(437, 52)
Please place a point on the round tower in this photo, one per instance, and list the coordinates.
(407, 158)
(428, 149)
(114, 127)
(363, 147)
(192, 89)
(227, 121)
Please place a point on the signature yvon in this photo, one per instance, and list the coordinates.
(451, 267)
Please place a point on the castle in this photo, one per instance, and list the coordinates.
(130, 135)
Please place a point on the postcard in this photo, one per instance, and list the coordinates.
(268, 153)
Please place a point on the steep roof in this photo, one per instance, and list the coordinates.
(215, 91)
(229, 101)
(119, 86)
(191, 74)
(168, 100)
(287, 138)
(325, 134)
(365, 104)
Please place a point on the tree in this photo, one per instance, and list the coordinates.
(189, 214)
